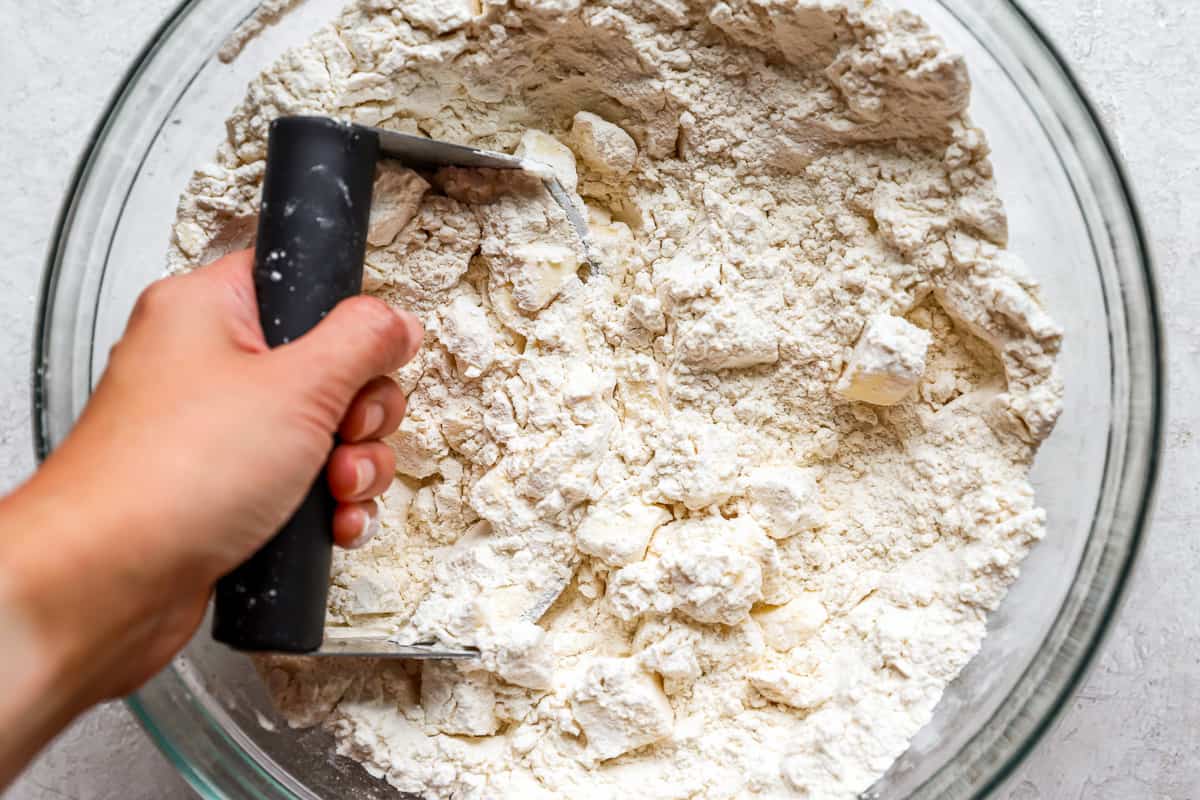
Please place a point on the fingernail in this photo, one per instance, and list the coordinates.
(365, 475)
(373, 419)
(370, 527)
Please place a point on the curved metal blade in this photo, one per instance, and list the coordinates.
(382, 647)
(417, 151)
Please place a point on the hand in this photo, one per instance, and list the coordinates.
(197, 446)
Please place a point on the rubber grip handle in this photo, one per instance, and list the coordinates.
(312, 237)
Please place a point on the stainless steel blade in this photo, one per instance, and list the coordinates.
(417, 151)
(573, 215)
(382, 647)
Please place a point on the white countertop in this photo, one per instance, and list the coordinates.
(1132, 731)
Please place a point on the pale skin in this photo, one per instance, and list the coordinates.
(198, 444)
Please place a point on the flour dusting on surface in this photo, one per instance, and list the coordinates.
(726, 510)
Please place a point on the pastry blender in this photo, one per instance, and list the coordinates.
(312, 237)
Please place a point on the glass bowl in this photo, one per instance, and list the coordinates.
(1072, 218)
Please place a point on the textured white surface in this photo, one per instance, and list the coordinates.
(1130, 732)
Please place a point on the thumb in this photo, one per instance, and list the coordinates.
(361, 339)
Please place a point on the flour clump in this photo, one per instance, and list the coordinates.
(723, 507)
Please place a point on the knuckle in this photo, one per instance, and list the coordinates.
(385, 390)
(155, 298)
(117, 355)
(386, 330)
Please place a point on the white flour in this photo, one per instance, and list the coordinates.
(268, 13)
(775, 447)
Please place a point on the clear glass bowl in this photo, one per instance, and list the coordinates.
(1073, 219)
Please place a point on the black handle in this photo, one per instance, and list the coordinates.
(312, 238)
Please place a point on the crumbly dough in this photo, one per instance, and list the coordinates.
(725, 510)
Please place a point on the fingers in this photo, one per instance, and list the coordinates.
(212, 306)
(359, 340)
(375, 413)
(359, 472)
(355, 524)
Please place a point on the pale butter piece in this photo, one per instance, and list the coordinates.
(545, 268)
(716, 571)
(603, 146)
(397, 196)
(887, 363)
(787, 626)
(418, 446)
(693, 465)
(804, 692)
(618, 527)
(191, 238)
(440, 16)
(544, 149)
(467, 334)
(709, 569)
(784, 500)
(457, 703)
(620, 707)
(730, 335)
(648, 312)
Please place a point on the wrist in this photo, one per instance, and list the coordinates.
(61, 569)
(41, 694)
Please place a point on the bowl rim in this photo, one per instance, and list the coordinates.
(1158, 411)
(1157, 343)
(1141, 517)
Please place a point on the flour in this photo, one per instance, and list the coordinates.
(726, 509)
(268, 13)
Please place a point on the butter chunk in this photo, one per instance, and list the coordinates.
(458, 703)
(467, 334)
(728, 336)
(397, 196)
(803, 692)
(784, 500)
(789, 625)
(620, 707)
(418, 446)
(603, 146)
(545, 269)
(887, 363)
(618, 527)
(541, 147)
(709, 569)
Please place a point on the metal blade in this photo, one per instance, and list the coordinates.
(573, 216)
(382, 647)
(419, 151)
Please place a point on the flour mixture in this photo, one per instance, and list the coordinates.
(774, 442)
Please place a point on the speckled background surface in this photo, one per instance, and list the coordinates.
(1133, 729)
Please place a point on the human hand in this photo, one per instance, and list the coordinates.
(198, 444)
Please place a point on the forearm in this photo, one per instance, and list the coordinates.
(62, 617)
(33, 706)
(184, 463)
